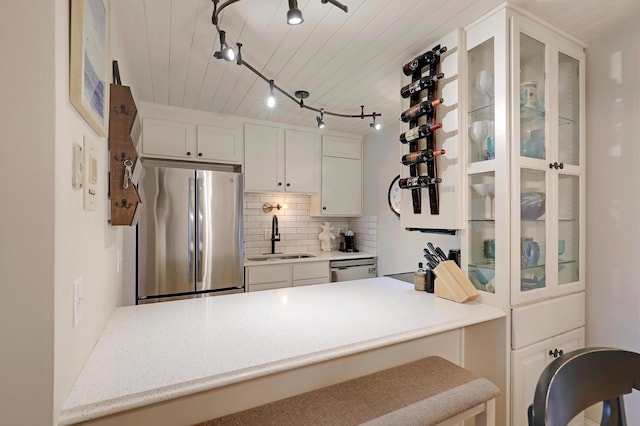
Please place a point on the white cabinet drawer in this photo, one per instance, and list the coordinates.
(546, 319)
(269, 274)
(302, 271)
(268, 286)
(310, 281)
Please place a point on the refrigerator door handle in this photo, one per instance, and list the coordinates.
(192, 231)
(199, 229)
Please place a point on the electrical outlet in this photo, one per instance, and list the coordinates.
(78, 301)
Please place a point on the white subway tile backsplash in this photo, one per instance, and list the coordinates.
(299, 231)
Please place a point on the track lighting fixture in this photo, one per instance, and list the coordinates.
(376, 126)
(294, 15)
(320, 119)
(225, 51)
(271, 101)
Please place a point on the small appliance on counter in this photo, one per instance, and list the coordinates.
(348, 241)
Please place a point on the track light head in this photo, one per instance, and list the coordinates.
(225, 52)
(294, 15)
(271, 101)
(229, 54)
(320, 119)
(374, 125)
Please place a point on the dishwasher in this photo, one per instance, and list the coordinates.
(353, 269)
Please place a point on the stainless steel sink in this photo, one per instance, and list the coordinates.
(287, 256)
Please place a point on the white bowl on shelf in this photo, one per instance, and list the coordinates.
(484, 189)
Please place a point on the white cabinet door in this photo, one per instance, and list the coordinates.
(166, 138)
(302, 162)
(334, 146)
(263, 158)
(341, 187)
(219, 144)
(528, 363)
(267, 277)
(310, 273)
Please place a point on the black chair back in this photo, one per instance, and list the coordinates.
(576, 380)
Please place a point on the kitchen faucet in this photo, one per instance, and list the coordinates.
(275, 235)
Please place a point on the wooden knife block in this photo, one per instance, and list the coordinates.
(451, 283)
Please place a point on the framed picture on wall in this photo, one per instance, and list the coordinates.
(88, 62)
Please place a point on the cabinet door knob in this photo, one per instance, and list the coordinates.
(189, 153)
(561, 165)
(288, 184)
(279, 183)
(324, 208)
(551, 165)
(199, 154)
(561, 352)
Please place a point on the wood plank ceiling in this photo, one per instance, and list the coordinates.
(165, 51)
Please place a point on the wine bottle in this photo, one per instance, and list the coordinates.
(423, 156)
(423, 60)
(418, 182)
(420, 109)
(420, 85)
(419, 132)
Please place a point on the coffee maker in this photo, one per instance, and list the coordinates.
(348, 241)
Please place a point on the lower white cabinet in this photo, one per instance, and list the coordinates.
(270, 277)
(528, 363)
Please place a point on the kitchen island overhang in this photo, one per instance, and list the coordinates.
(187, 361)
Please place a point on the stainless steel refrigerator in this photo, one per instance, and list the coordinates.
(190, 240)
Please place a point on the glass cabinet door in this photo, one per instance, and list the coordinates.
(533, 229)
(532, 98)
(568, 110)
(481, 92)
(482, 232)
(568, 229)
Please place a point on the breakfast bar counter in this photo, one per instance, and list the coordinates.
(187, 361)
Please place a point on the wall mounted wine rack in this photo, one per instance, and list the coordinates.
(424, 71)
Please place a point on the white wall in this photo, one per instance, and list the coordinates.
(47, 239)
(27, 198)
(86, 246)
(398, 250)
(613, 195)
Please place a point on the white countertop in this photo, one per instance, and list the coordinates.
(152, 353)
(317, 256)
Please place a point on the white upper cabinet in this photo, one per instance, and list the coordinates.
(341, 193)
(279, 160)
(167, 138)
(179, 134)
(263, 158)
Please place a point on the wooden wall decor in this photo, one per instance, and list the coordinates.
(124, 162)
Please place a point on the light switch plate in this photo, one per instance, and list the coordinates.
(77, 176)
(90, 182)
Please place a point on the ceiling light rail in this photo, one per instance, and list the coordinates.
(227, 53)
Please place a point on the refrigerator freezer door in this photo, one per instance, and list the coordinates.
(166, 232)
(219, 258)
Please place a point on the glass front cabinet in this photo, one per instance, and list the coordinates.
(523, 245)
